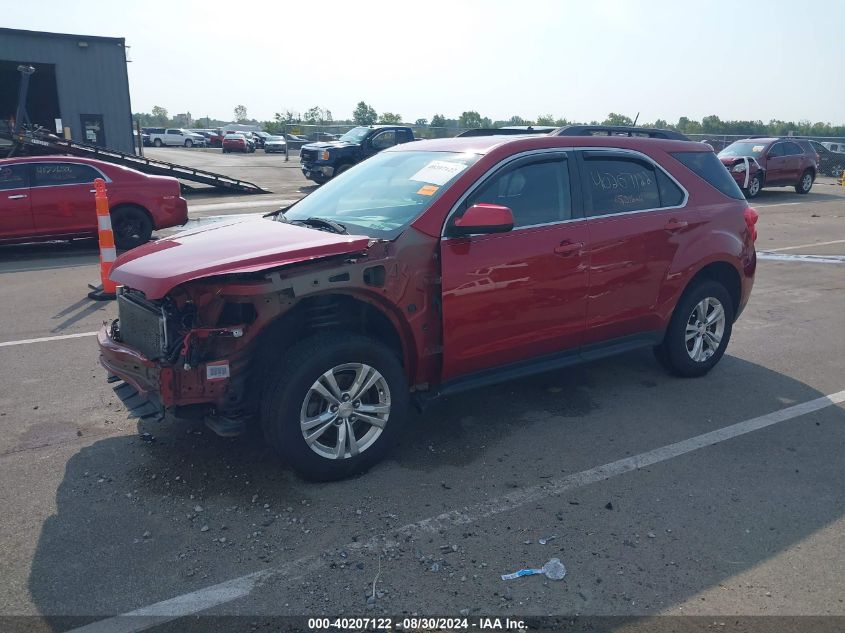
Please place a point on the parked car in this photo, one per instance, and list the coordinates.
(237, 142)
(428, 269)
(216, 138)
(320, 162)
(296, 142)
(837, 146)
(175, 137)
(274, 144)
(830, 163)
(52, 197)
(755, 163)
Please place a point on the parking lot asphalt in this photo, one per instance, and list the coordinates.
(660, 495)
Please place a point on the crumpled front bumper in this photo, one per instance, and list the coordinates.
(138, 378)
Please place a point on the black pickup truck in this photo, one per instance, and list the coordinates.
(320, 162)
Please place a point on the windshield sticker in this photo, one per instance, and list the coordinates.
(427, 190)
(438, 172)
(757, 148)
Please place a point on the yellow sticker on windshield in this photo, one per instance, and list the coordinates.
(427, 190)
(757, 148)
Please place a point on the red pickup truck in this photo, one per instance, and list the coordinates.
(427, 269)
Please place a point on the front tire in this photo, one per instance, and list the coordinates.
(189, 143)
(157, 142)
(806, 183)
(334, 405)
(699, 330)
(132, 227)
(755, 185)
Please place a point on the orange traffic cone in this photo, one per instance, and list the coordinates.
(107, 290)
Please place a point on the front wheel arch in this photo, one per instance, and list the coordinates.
(115, 211)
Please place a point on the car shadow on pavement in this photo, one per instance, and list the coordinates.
(140, 520)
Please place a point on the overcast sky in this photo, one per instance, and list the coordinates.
(580, 60)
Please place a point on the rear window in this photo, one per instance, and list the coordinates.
(707, 166)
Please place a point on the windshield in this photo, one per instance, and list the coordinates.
(273, 138)
(385, 193)
(743, 148)
(355, 135)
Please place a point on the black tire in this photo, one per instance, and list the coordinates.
(288, 391)
(755, 186)
(805, 183)
(132, 227)
(225, 151)
(157, 142)
(342, 168)
(836, 171)
(673, 352)
(189, 143)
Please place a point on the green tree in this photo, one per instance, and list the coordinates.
(661, 123)
(240, 114)
(160, 116)
(364, 114)
(470, 118)
(438, 120)
(546, 119)
(390, 118)
(317, 115)
(517, 120)
(617, 119)
(421, 122)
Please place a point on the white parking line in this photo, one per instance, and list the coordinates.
(812, 259)
(202, 599)
(46, 338)
(795, 248)
(779, 204)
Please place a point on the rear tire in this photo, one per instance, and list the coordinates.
(157, 142)
(699, 330)
(314, 384)
(806, 183)
(132, 227)
(189, 143)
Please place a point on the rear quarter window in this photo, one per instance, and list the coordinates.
(709, 168)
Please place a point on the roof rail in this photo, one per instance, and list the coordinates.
(618, 130)
(506, 131)
(39, 142)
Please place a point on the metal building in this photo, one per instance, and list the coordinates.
(80, 85)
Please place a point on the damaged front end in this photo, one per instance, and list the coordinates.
(163, 358)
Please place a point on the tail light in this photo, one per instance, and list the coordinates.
(751, 222)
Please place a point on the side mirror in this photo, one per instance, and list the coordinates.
(482, 218)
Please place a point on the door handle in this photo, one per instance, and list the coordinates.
(569, 248)
(676, 225)
(18, 196)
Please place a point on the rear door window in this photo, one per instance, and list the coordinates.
(617, 184)
(52, 174)
(13, 177)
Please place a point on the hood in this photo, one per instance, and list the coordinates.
(327, 145)
(244, 245)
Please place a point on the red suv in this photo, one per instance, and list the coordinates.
(52, 197)
(431, 268)
(755, 163)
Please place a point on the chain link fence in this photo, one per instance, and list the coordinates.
(330, 131)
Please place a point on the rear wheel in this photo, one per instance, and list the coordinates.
(157, 142)
(755, 185)
(189, 143)
(334, 405)
(699, 331)
(806, 183)
(132, 227)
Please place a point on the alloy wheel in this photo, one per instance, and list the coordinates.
(705, 328)
(345, 411)
(807, 182)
